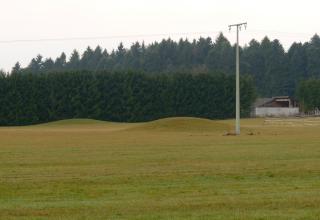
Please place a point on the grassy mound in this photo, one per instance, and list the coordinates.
(75, 122)
(179, 124)
(184, 124)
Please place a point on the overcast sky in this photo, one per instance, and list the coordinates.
(286, 20)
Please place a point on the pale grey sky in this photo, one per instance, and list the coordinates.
(287, 20)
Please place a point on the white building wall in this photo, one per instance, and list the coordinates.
(276, 112)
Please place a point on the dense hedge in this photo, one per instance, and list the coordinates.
(122, 97)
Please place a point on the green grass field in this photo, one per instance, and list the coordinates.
(178, 168)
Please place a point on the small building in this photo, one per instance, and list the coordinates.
(281, 106)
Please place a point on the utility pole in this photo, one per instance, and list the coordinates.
(238, 26)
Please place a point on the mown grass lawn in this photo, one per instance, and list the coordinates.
(179, 168)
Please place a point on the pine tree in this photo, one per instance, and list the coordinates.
(74, 62)
(16, 69)
(60, 63)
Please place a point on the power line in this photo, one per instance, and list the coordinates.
(102, 37)
(266, 32)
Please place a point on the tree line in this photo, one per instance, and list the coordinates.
(274, 71)
(119, 96)
(309, 95)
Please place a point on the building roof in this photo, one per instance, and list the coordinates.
(263, 101)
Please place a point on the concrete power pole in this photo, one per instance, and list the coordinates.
(238, 26)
